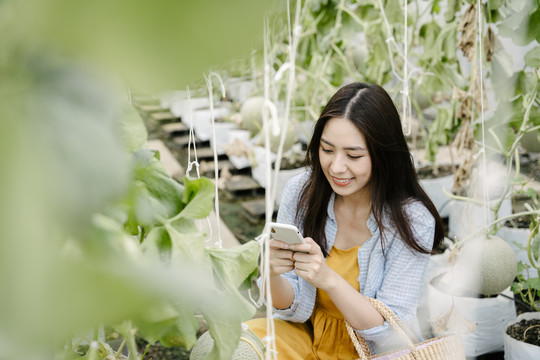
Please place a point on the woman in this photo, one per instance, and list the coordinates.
(369, 230)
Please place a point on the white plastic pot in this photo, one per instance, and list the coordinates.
(239, 89)
(258, 172)
(222, 130)
(202, 121)
(239, 162)
(180, 108)
(487, 316)
(519, 350)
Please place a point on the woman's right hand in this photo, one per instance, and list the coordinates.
(281, 258)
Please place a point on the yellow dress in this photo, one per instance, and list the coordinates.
(324, 336)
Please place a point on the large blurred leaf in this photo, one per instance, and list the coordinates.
(198, 195)
(154, 44)
(155, 196)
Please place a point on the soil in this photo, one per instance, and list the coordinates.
(526, 330)
(159, 352)
(428, 172)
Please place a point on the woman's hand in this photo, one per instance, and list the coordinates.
(311, 265)
(281, 258)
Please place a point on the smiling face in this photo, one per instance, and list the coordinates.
(344, 158)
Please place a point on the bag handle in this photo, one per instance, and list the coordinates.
(391, 318)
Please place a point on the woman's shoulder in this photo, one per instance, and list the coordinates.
(297, 182)
(417, 211)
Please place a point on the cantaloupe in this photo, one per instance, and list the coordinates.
(250, 347)
(290, 138)
(486, 265)
(251, 113)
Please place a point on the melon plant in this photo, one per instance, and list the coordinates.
(486, 265)
(290, 138)
(251, 114)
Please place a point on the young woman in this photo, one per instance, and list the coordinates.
(369, 230)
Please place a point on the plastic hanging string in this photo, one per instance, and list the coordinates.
(192, 142)
(483, 149)
(391, 41)
(219, 242)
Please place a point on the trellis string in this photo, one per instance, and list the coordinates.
(219, 242)
(483, 149)
(192, 142)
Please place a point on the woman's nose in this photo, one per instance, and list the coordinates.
(338, 164)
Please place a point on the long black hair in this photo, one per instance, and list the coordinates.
(393, 178)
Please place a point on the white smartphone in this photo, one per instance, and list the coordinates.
(286, 233)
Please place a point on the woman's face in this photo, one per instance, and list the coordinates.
(344, 158)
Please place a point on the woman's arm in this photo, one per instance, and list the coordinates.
(356, 309)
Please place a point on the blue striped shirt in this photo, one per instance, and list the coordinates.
(395, 279)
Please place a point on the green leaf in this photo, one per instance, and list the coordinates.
(533, 30)
(495, 4)
(199, 196)
(155, 196)
(235, 265)
(394, 12)
(132, 129)
(157, 243)
(452, 8)
(532, 58)
(187, 244)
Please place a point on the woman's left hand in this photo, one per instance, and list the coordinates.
(310, 264)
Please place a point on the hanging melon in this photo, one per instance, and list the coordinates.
(290, 138)
(486, 265)
(251, 113)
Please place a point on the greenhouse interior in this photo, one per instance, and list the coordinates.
(164, 165)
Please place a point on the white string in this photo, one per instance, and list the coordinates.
(484, 162)
(406, 100)
(270, 339)
(191, 142)
(390, 40)
(208, 80)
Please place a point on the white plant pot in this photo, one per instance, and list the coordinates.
(240, 162)
(259, 172)
(488, 317)
(202, 121)
(438, 264)
(434, 189)
(239, 89)
(222, 130)
(466, 217)
(519, 350)
(180, 108)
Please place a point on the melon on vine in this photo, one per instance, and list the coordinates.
(486, 265)
(290, 138)
(251, 114)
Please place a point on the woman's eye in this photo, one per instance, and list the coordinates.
(354, 157)
(326, 150)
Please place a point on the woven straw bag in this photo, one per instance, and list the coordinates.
(439, 348)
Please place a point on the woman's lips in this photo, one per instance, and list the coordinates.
(342, 181)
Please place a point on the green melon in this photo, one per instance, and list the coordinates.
(486, 266)
(250, 347)
(290, 139)
(251, 113)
